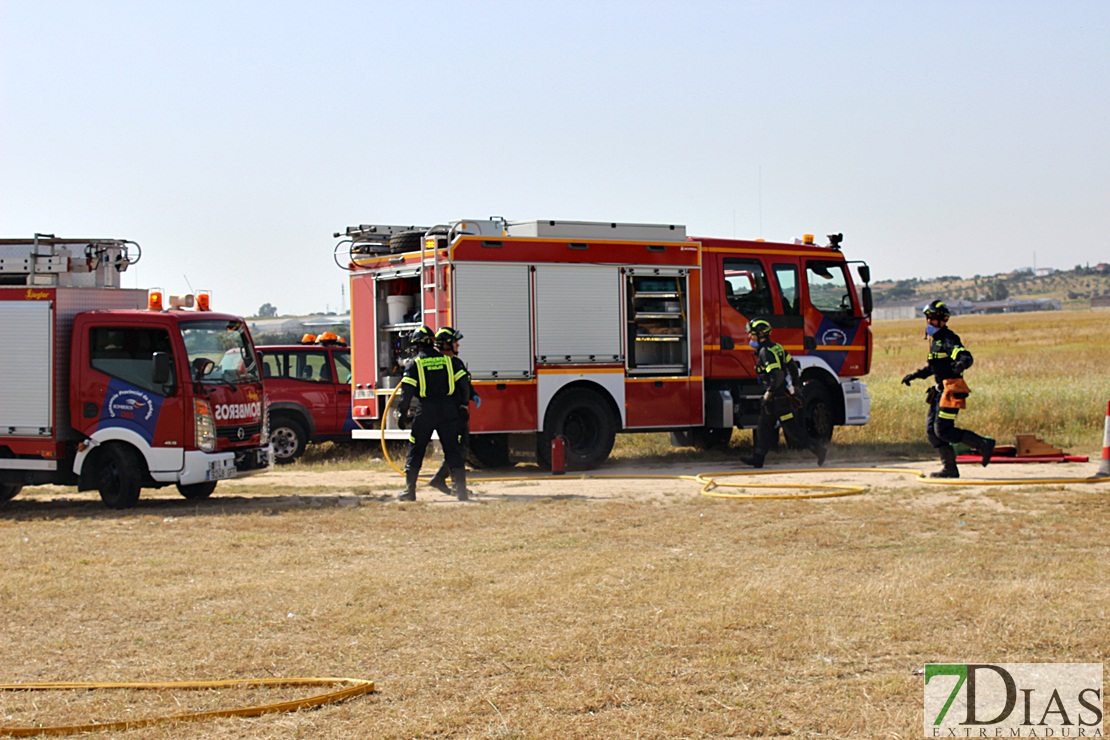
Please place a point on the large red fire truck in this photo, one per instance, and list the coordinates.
(106, 388)
(583, 330)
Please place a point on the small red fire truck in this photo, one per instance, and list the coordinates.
(104, 388)
(581, 330)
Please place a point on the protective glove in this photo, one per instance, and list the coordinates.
(767, 396)
(909, 379)
(477, 401)
(403, 419)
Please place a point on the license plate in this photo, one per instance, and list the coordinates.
(218, 471)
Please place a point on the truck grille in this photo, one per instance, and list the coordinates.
(239, 433)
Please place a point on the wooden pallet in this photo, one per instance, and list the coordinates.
(1029, 446)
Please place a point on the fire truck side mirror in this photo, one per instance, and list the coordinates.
(160, 368)
(865, 273)
(868, 304)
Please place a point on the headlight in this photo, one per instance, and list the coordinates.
(205, 426)
(265, 422)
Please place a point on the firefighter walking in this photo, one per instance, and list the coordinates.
(778, 405)
(441, 384)
(947, 361)
(447, 342)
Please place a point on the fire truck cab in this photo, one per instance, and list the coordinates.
(584, 330)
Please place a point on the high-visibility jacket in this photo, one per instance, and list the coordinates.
(772, 363)
(948, 357)
(433, 375)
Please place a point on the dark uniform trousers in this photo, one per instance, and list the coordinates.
(440, 415)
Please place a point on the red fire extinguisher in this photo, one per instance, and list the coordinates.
(558, 455)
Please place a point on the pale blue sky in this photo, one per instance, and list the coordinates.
(232, 138)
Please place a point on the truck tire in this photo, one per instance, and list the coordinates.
(406, 241)
(197, 491)
(119, 476)
(584, 419)
(8, 491)
(819, 418)
(489, 451)
(288, 438)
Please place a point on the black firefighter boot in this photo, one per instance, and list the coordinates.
(948, 457)
(439, 480)
(983, 445)
(458, 475)
(756, 459)
(409, 494)
(821, 449)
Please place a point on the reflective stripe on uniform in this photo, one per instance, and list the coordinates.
(947, 414)
(782, 359)
(432, 364)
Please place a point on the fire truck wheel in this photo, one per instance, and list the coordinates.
(288, 438)
(8, 491)
(197, 491)
(587, 424)
(119, 476)
(489, 451)
(819, 410)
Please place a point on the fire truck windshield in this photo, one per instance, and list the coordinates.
(220, 352)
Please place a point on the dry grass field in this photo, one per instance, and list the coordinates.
(584, 608)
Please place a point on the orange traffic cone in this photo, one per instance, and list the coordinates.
(1104, 468)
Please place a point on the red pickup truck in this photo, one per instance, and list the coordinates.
(309, 389)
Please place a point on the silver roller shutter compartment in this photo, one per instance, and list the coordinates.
(578, 313)
(26, 367)
(492, 308)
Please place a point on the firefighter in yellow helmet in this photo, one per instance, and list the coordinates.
(947, 361)
(443, 385)
(779, 405)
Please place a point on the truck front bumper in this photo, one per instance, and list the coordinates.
(201, 467)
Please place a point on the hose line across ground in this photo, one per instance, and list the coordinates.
(355, 687)
(710, 482)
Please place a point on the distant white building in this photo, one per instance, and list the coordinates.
(297, 324)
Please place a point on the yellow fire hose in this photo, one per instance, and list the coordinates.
(356, 687)
(710, 481)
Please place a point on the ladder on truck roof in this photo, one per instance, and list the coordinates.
(49, 261)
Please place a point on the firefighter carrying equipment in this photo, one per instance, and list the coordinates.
(955, 394)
